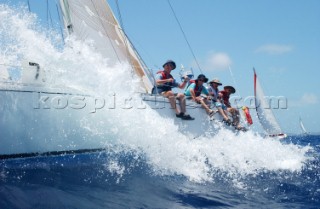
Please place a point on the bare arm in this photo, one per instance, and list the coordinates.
(193, 95)
(162, 81)
(183, 84)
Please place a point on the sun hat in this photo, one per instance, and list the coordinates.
(231, 89)
(170, 62)
(217, 81)
(201, 76)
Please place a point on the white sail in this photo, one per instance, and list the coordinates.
(304, 131)
(264, 112)
(94, 21)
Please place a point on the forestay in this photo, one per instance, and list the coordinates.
(93, 20)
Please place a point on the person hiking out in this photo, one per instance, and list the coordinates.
(195, 91)
(164, 84)
(216, 99)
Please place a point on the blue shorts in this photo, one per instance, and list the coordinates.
(218, 104)
(160, 90)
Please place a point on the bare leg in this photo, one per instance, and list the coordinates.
(205, 106)
(235, 116)
(182, 102)
(221, 111)
(172, 100)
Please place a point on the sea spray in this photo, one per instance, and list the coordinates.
(130, 126)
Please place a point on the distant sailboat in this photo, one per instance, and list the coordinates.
(303, 129)
(264, 112)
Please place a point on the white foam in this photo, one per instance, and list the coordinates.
(167, 151)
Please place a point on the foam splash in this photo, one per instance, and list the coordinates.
(144, 131)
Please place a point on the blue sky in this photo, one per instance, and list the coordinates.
(280, 38)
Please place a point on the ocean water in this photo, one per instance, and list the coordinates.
(147, 162)
(118, 179)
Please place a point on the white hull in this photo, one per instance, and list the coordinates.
(33, 122)
(200, 126)
(31, 126)
(279, 136)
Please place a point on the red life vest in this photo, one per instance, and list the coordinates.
(164, 75)
(197, 89)
(225, 98)
(168, 85)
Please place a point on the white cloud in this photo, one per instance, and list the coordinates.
(277, 70)
(217, 61)
(306, 99)
(274, 49)
(309, 98)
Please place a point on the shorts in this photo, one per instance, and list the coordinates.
(218, 104)
(160, 91)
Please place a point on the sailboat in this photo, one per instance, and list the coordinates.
(303, 129)
(27, 130)
(265, 115)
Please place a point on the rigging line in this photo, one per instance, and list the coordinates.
(128, 42)
(136, 51)
(234, 80)
(61, 21)
(119, 13)
(125, 37)
(8, 65)
(48, 12)
(50, 17)
(235, 84)
(185, 37)
(115, 51)
(29, 6)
